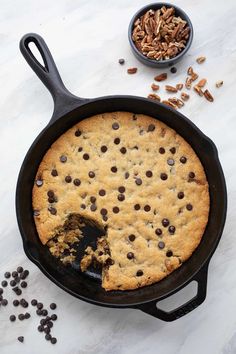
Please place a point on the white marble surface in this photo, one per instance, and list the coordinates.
(87, 38)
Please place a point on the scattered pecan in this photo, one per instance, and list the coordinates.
(132, 70)
(171, 88)
(219, 83)
(208, 96)
(161, 77)
(194, 76)
(155, 87)
(176, 101)
(188, 83)
(154, 96)
(201, 83)
(190, 71)
(184, 96)
(179, 87)
(200, 60)
(198, 90)
(168, 103)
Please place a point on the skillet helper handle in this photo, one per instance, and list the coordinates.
(64, 101)
(153, 310)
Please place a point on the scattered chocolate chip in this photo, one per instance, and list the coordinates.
(40, 328)
(163, 176)
(149, 174)
(68, 179)
(93, 199)
(86, 156)
(130, 255)
(115, 210)
(4, 283)
(115, 126)
(1, 297)
(50, 324)
(54, 173)
(123, 150)
(121, 197)
(161, 245)
(80, 149)
(24, 274)
(138, 181)
(121, 61)
(53, 340)
(36, 212)
(21, 316)
(53, 306)
(77, 182)
(16, 303)
(137, 206)
(39, 182)
(147, 208)
(93, 207)
(21, 339)
(183, 159)
(114, 169)
(43, 321)
(18, 292)
(191, 174)
(1, 291)
(171, 229)
(165, 222)
(151, 128)
(54, 316)
(63, 158)
(171, 162)
(23, 284)
(17, 279)
(34, 302)
(44, 312)
(169, 253)
(126, 175)
(39, 305)
(77, 132)
(24, 303)
(139, 273)
(162, 150)
(4, 302)
(173, 150)
(52, 210)
(173, 70)
(47, 330)
(39, 312)
(158, 232)
(121, 189)
(14, 274)
(48, 336)
(7, 275)
(27, 315)
(117, 141)
(102, 192)
(12, 318)
(83, 206)
(132, 237)
(189, 207)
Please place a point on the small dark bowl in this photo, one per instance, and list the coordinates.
(161, 63)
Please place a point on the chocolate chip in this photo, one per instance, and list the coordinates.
(52, 210)
(103, 148)
(189, 207)
(68, 179)
(24, 274)
(50, 194)
(138, 181)
(21, 316)
(137, 206)
(121, 61)
(40, 328)
(173, 70)
(77, 132)
(36, 213)
(191, 174)
(117, 141)
(27, 315)
(24, 303)
(161, 245)
(121, 189)
(34, 302)
(147, 208)
(173, 150)
(130, 255)
(4, 302)
(48, 337)
(104, 217)
(158, 232)
(18, 292)
(162, 150)
(123, 150)
(77, 182)
(132, 237)
(39, 305)
(7, 275)
(115, 126)
(93, 207)
(121, 197)
(100, 253)
(91, 174)
(44, 312)
(165, 222)
(47, 330)
(163, 176)
(181, 195)
(114, 169)
(169, 253)
(12, 318)
(21, 339)
(83, 206)
(53, 340)
(171, 162)
(50, 324)
(126, 175)
(115, 210)
(135, 117)
(1, 291)
(51, 200)
(93, 199)
(4, 283)
(151, 128)
(17, 279)
(183, 159)
(16, 303)
(139, 273)
(171, 229)
(14, 274)
(80, 149)
(102, 192)
(39, 182)
(103, 211)
(63, 158)
(54, 316)
(86, 156)
(149, 174)
(39, 312)
(54, 173)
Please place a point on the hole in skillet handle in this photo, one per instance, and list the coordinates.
(152, 309)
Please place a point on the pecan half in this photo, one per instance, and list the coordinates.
(219, 83)
(188, 83)
(154, 96)
(194, 76)
(184, 96)
(161, 77)
(198, 90)
(202, 83)
(200, 60)
(190, 71)
(179, 87)
(170, 104)
(176, 101)
(155, 87)
(171, 88)
(208, 96)
(132, 70)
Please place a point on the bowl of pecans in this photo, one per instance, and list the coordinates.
(160, 34)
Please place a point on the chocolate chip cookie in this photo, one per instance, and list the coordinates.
(136, 179)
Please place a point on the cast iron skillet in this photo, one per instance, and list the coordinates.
(69, 109)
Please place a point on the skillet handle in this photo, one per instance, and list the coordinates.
(201, 279)
(64, 101)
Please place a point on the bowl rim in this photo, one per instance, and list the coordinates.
(159, 5)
